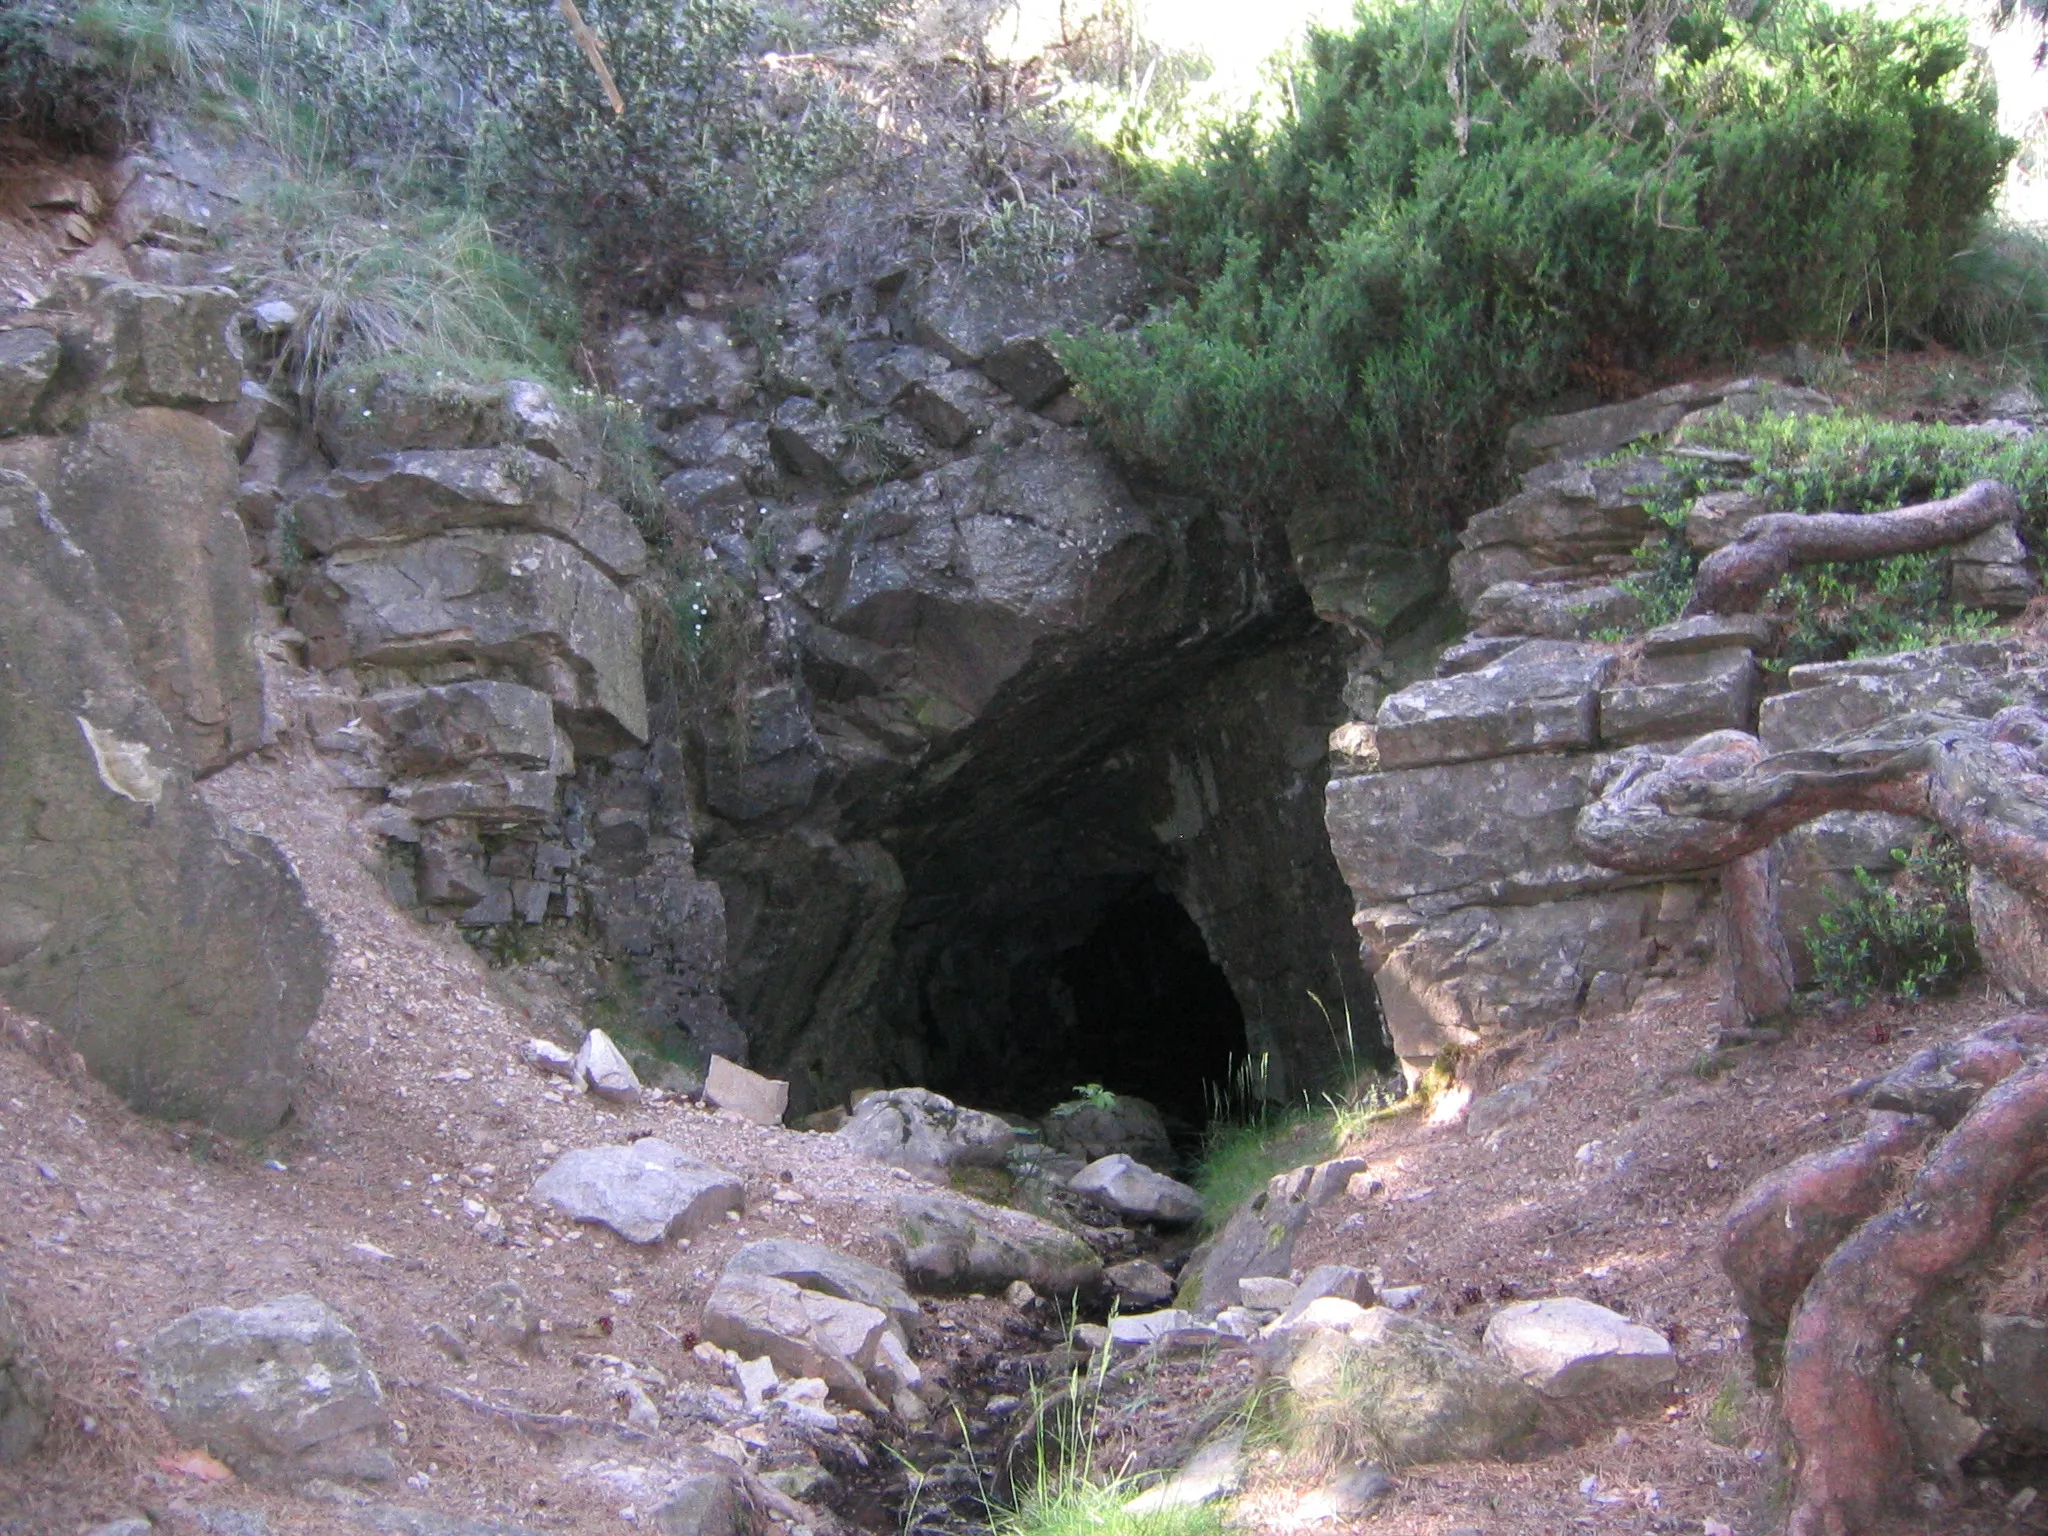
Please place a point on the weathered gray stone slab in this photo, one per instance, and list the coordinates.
(1539, 697)
(1503, 824)
(1829, 700)
(524, 600)
(1475, 971)
(361, 419)
(1122, 1184)
(406, 495)
(925, 1133)
(1711, 632)
(435, 729)
(1554, 610)
(818, 1268)
(1687, 694)
(150, 494)
(1564, 1346)
(139, 343)
(1594, 433)
(804, 1332)
(648, 1192)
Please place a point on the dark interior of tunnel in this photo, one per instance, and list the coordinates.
(1136, 1005)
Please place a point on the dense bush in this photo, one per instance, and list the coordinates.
(1904, 939)
(1374, 283)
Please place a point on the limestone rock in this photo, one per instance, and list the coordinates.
(706, 1496)
(1258, 1239)
(804, 1332)
(1266, 1293)
(1567, 1347)
(1523, 847)
(523, 601)
(1674, 696)
(1991, 571)
(1554, 610)
(362, 419)
(1088, 1129)
(1122, 1184)
(141, 343)
(1410, 1389)
(760, 1099)
(648, 1192)
(179, 956)
(28, 361)
(483, 749)
(150, 496)
(817, 1268)
(25, 1394)
(1485, 970)
(1540, 697)
(502, 1314)
(1139, 1282)
(1825, 701)
(278, 1390)
(925, 1133)
(1132, 1329)
(601, 1068)
(952, 1243)
(1215, 1471)
(1706, 632)
(407, 495)
(1345, 1282)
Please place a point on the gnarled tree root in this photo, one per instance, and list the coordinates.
(1837, 1394)
(1738, 576)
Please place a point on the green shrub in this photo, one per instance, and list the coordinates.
(1842, 612)
(1377, 282)
(1904, 939)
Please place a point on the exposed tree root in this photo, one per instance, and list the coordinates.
(1836, 1394)
(1738, 576)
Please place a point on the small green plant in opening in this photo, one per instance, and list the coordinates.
(1905, 939)
(1095, 1094)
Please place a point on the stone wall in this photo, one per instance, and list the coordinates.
(1452, 810)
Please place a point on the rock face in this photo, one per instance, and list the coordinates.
(648, 1192)
(278, 1391)
(1407, 1390)
(1566, 1347)
(1122, 1184)
(950, 1243)
(926, 1133)
(24, 1390)
(105, 851)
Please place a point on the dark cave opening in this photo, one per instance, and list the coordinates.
(1153, 1015)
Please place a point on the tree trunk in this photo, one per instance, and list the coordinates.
(1738, 576)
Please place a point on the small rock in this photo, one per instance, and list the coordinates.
(500, 1314)
(1357, 1488)
(128, 1525)
(818, 1268)
(805, 1333)
(1340, 1281)
(1122, 1184)
(1092, 1337)
(756, 1380)
(1020, 1295)
(601, 1068)
(1316, 1313)
(273, 317)
(548, 1057)
(443, 1338)
(707, 1496)
(954, 1243)
(1266, 1293)
(1135, 1328)
(647, 1192)
(760, 1099)
(1401, 1297)
(1567, 1347)
(1140, 1282)
(1215, 1471)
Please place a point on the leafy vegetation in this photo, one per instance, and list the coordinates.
(1841, 463)
(1904, 939)
(1374, 282)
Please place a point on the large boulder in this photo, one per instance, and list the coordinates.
(818, 1268)
(1257, 1241)
(1402, 1391)
(150, 494)
(926, 1133)
(25, 1393)
(802, 1331)
(1565, 1346)
(177, 954)
(280, 1390)
(647, 1192)
(953, 1243)
(520, 602)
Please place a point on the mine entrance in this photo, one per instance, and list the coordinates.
(1152, 1013)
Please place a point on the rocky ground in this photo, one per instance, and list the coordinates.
(396, 1195)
